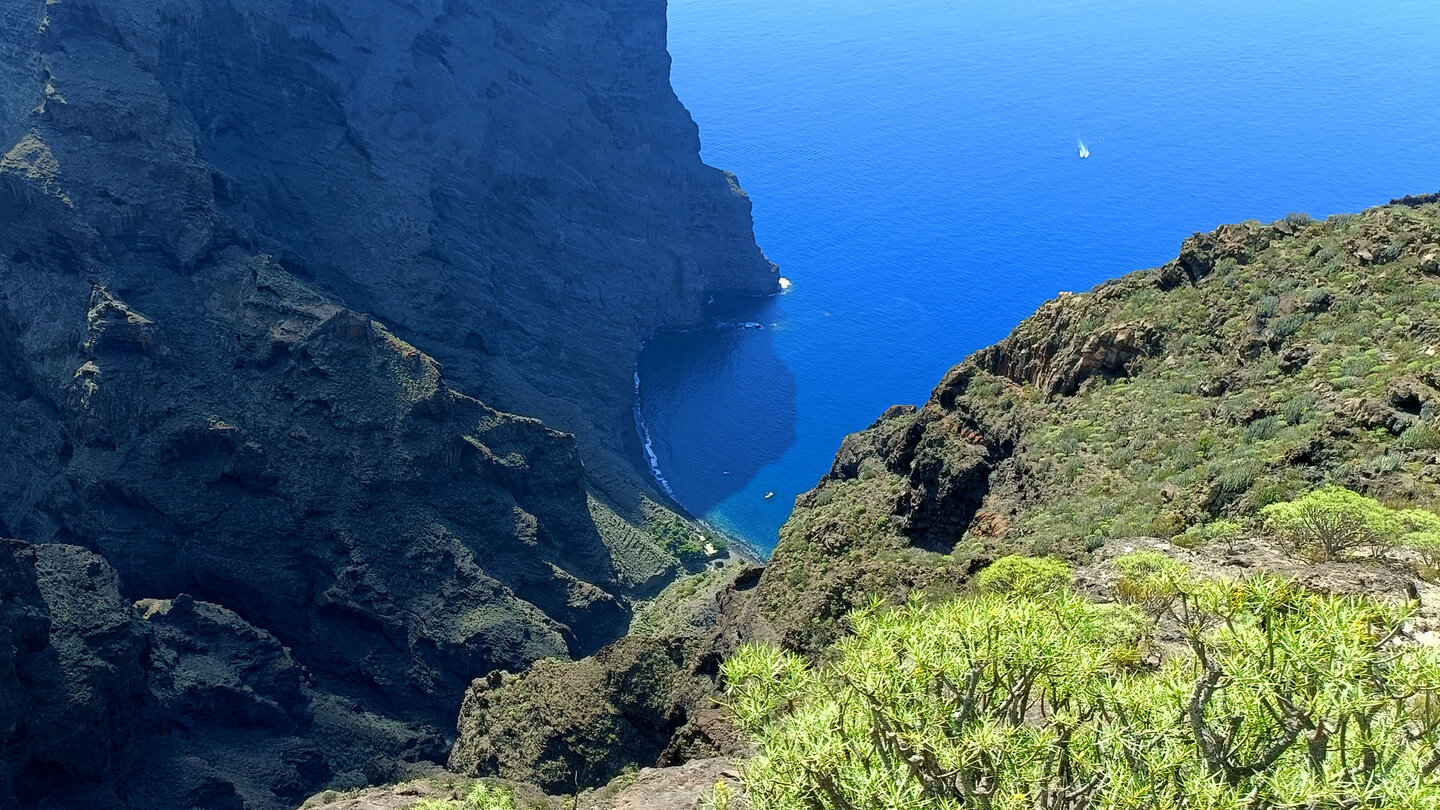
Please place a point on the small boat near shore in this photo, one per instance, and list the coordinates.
(769, 495)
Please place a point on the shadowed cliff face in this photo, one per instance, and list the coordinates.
(511, 185)
(163, 703)
(199, 200)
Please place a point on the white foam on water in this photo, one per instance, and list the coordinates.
(652, 460)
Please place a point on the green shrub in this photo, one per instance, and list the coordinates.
(1426, 546)
(1287, 325)
(1388, 463)
(1150, 579)
(719, 797)
(1422, 536)
(1261, 429)
(1235, 478)
(1296, 409)
(1188, 539)
(1224, 531)
(1421, 436)
(1315, 300)
(1286, 700)
(1330, 523)
(1024, 576)
(480, 797)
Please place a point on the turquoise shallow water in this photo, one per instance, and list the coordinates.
(915, 173)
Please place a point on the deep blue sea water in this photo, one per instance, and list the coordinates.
(915, 173)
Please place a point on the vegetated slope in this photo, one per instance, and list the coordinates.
(1239, 693)
(1261, 363)
(201, 200)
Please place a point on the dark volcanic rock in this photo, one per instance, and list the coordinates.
(562, 724)
(511, 183)
(199, 200)
(82, 692)
(166, 703)
(299, 464)
(647, 699)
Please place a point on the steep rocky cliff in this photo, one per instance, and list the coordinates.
(257, 263)
(511, 185)
(1159, 410)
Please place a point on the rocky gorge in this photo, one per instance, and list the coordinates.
(1161, 411)
(276, 284)
(318, 323)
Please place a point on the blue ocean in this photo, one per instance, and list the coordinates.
(916, 172)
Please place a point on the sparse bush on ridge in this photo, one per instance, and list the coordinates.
(1422, 536)
(1150, 580)
(480, 797)
(1286, 699)
(1331, 522)
(1024, 576)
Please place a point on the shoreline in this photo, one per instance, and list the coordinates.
(736, 546)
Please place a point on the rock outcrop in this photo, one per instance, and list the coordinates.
(691, 786)
(648, 698)
(257, 262)
(164, 703)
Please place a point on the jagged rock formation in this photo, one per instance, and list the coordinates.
(163, 703)
(200, 201)
(1264, 361)
(647, 698)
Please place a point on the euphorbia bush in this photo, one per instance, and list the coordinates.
(1285, 699)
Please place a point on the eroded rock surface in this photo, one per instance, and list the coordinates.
(647, 699)
(240, 239)
(164, 703)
